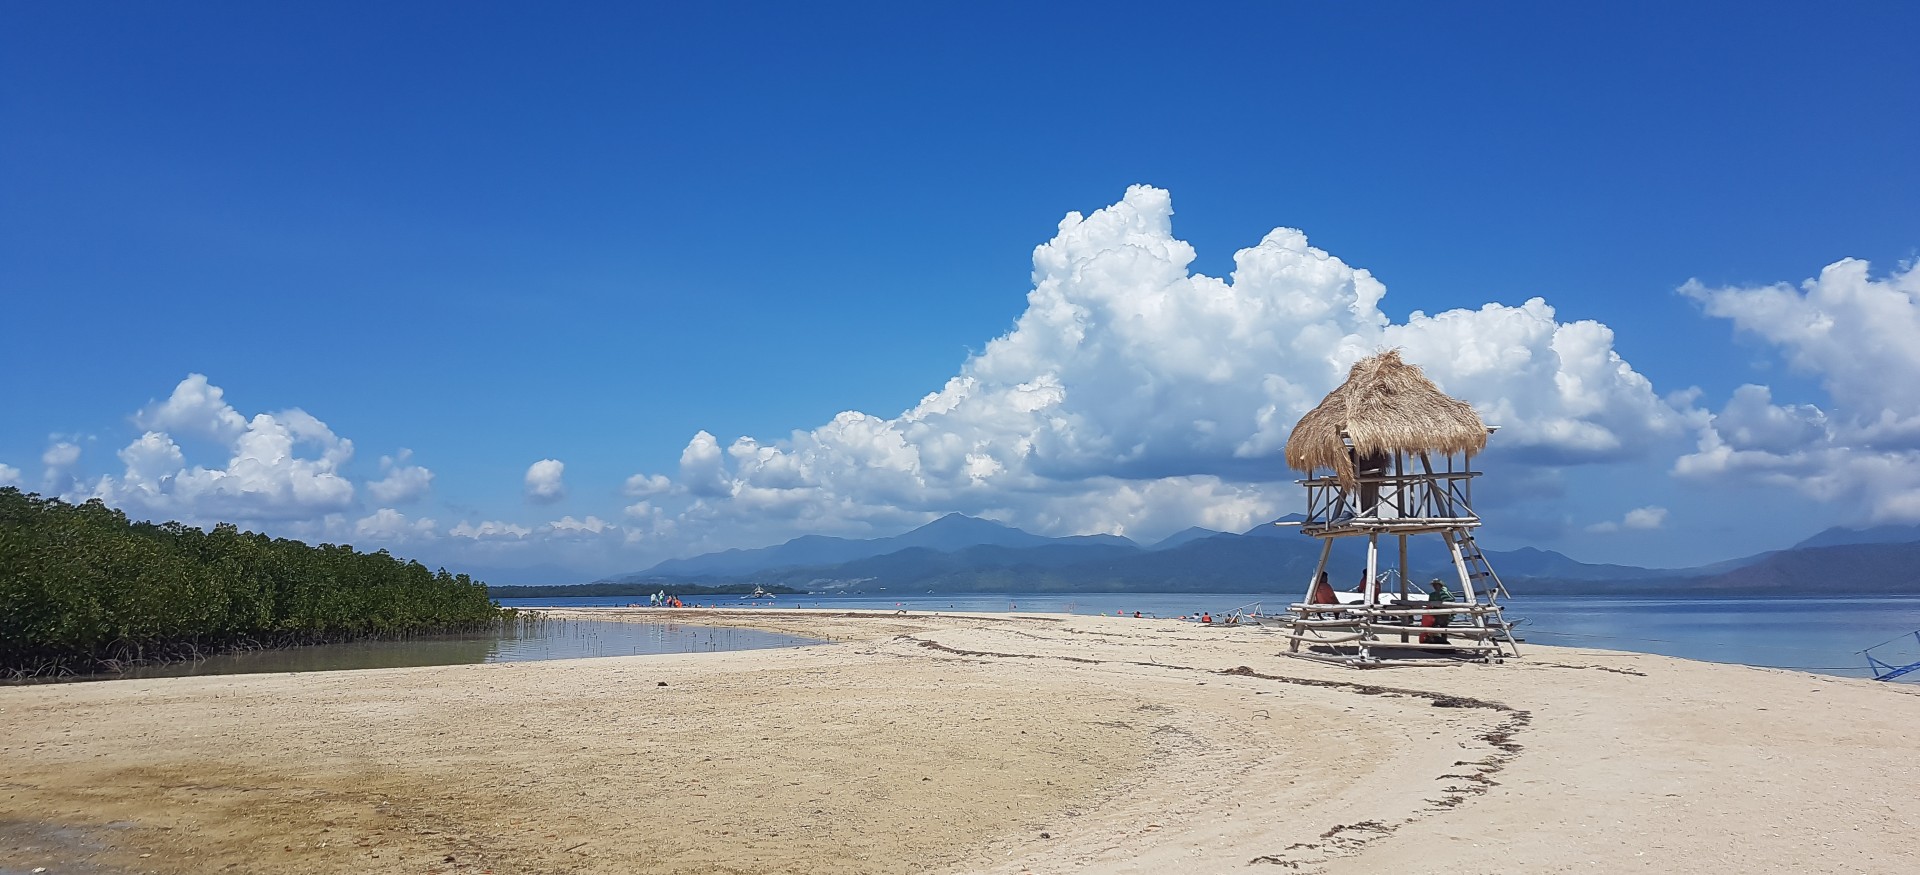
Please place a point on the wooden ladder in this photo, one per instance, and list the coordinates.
(1478, 568)
(1480, 577)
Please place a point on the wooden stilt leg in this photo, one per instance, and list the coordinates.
(1403, 578)
(1373, 585)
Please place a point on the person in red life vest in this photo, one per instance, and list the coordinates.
(1323, 592)
(1323, 595)
(1206, 618)
(1438, 596)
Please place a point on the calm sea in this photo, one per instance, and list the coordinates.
(1823, 636)
(549, 639)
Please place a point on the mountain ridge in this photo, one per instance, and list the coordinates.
(1841, 536)
(957, 553)
(951, 532)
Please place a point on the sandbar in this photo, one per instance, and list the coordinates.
(952, 742)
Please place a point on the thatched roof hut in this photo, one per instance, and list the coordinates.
(1385, 406)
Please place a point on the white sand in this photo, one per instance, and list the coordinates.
(968, 743)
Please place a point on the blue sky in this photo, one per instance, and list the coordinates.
(493, 235)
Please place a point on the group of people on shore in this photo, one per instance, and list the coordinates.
(661, 600)
(1204, 617)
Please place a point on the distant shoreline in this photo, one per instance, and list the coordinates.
(609, 590)
(1521, 590)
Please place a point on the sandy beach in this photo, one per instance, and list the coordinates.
(966, 743)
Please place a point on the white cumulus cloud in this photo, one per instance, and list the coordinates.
(9, 475)
(1856, 335)
(61, 455)
(278, 466)
(57, 465)
(490, 530)
(544, 481)
(401, 482)
(568, 528)
(196, 407)
(644, 485)
(1640, 518)
(701, 467)
(1135, 395)
(1645, 518)
(389, 526)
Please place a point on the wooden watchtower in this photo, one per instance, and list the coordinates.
(1388, 456)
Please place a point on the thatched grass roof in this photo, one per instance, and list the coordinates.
(1385, 406)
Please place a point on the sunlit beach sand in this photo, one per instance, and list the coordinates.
(966, 743)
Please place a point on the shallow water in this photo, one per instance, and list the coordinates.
(545, 639)
(1817, 635)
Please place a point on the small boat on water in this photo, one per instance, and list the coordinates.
(760, 593)
(1386, 598)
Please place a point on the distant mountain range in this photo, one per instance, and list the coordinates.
(958, 553)
(951, 532)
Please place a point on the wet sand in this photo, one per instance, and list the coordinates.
(966, 743)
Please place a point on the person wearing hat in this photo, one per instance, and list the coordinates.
(1438, 596)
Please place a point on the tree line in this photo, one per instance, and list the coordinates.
(85, 589)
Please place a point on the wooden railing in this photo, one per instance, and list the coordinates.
(1390, 499)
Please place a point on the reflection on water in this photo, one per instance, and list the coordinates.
(545, 639)
(1823, 635)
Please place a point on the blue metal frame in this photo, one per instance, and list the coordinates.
(1884, 671)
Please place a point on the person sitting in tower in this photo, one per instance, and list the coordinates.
(1438, 596)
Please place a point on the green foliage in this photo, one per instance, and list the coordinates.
(81, 586)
